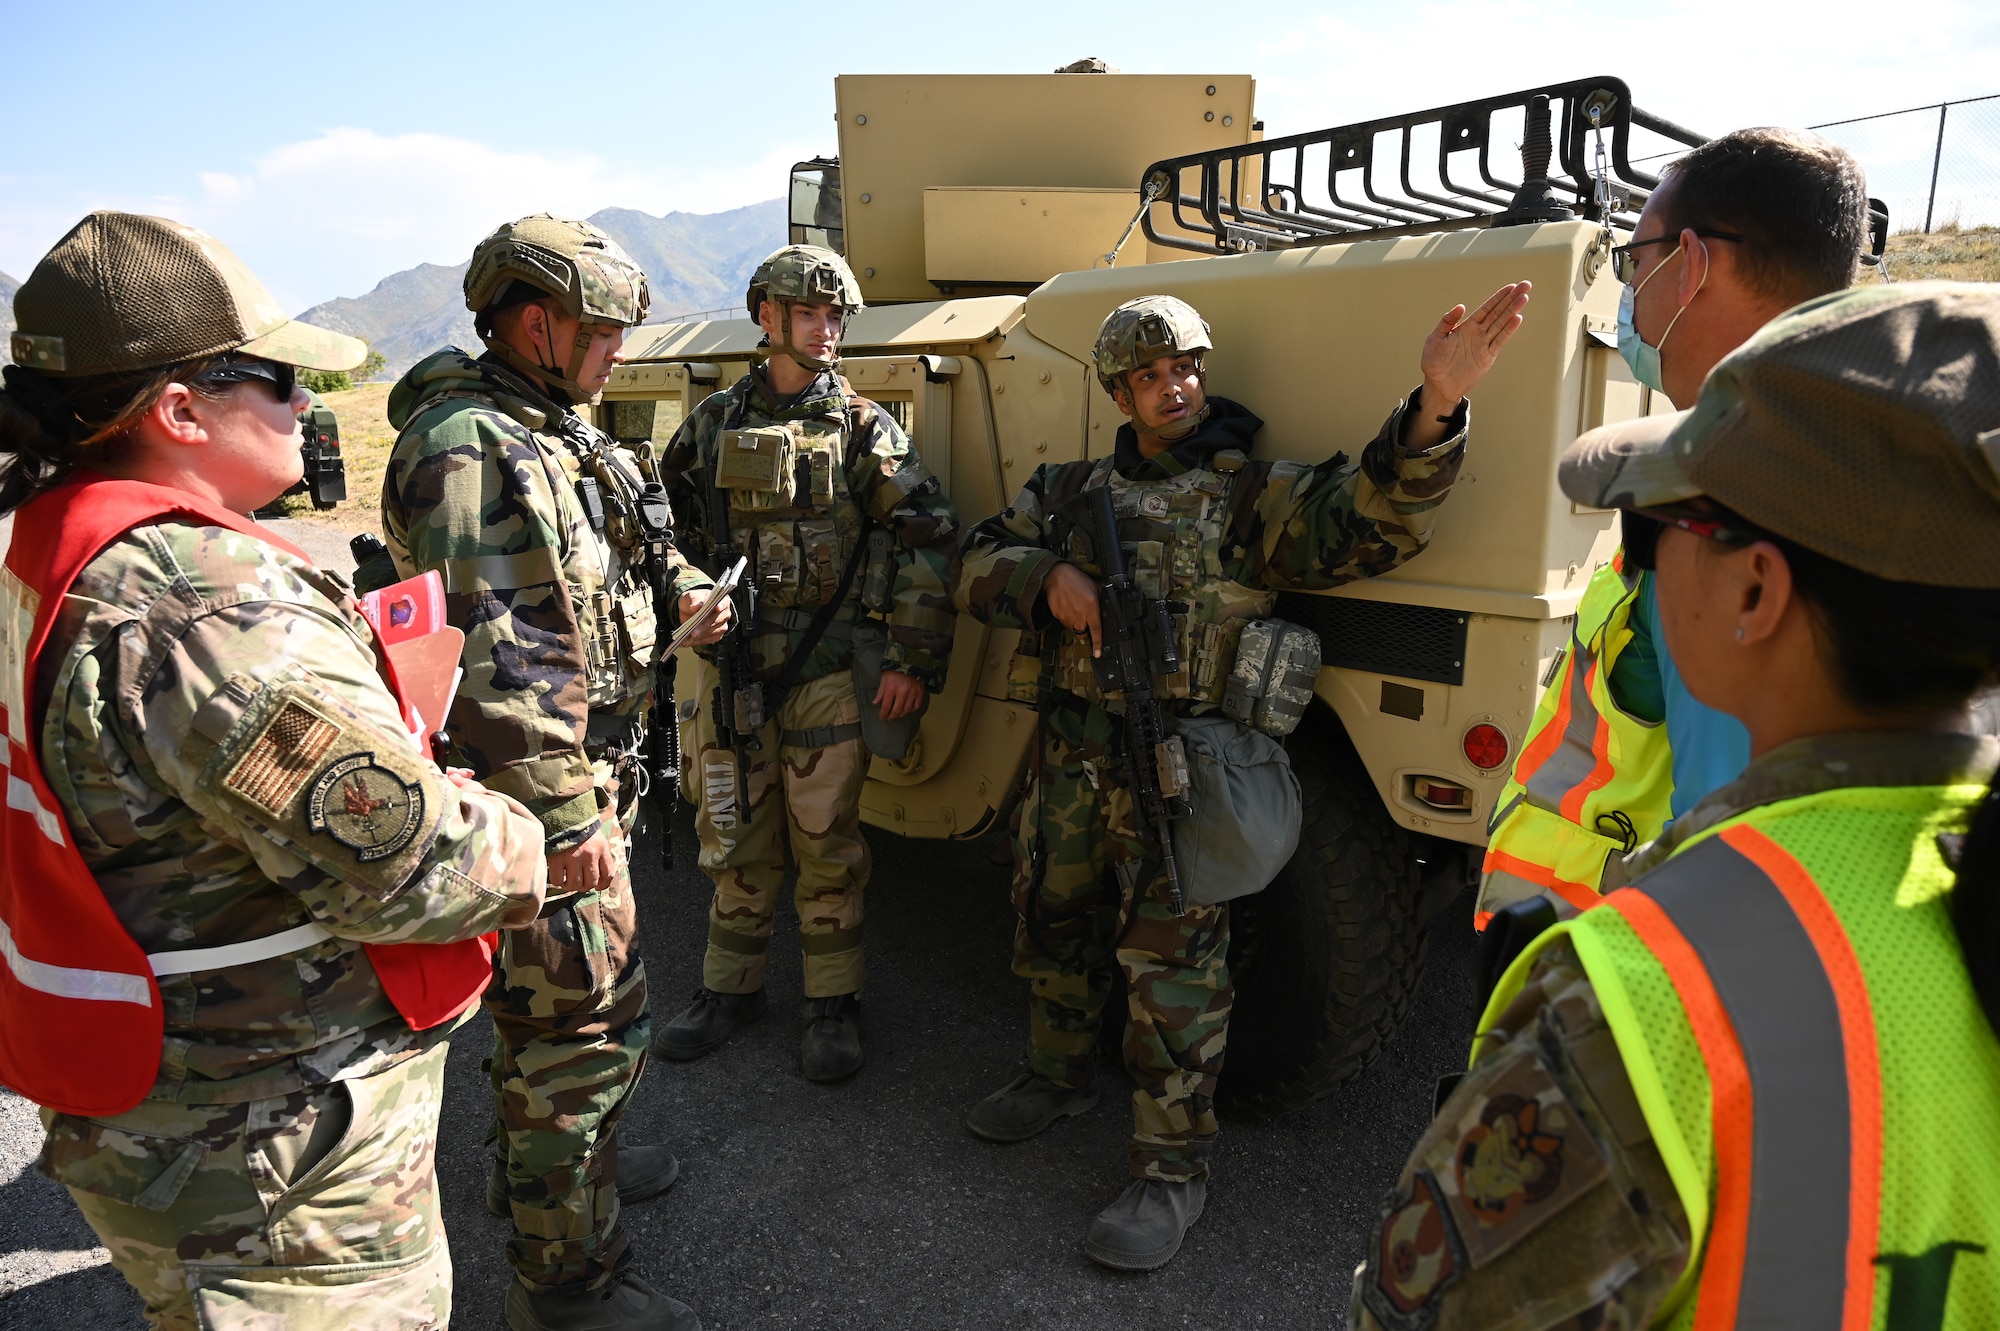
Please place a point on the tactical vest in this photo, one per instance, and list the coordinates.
(1172, 530)
(1789, 998)
(600, 497)
(1591, 782)
(71, 977)
(793, 515)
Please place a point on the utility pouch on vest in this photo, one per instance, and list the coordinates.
(819, 488)
(877, 582)
(756, 465)
(885, 739)
(1272, 680)
(1246, 810)
(639, 628)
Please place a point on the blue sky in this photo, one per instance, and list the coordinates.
(334, 145)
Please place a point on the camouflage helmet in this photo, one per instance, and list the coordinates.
(595, 281)
(1143, 330)
(573, 261)
(804, 273)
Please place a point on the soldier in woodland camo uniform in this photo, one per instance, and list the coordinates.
(873, 528)
(1217, 535)
(280, 1171)
(543, 531)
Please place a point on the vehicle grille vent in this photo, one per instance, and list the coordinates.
(1408, 641)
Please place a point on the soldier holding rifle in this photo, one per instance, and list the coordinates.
(1145, 582)
(844, 627)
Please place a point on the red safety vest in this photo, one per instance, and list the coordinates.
(81, 1021)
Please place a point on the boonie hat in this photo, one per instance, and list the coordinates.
(124, 292)
(1864, 425)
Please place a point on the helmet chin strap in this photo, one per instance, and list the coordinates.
(548, 374)
(1181, 429)
(798, 357)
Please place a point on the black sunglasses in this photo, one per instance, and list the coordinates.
(283, 378)
(1625, 267)
(1700, 517)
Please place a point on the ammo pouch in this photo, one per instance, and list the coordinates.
(756, 466)
(885, 739)
(1245, 824)
(1271, 682)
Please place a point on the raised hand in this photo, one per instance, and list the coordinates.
(1462, 348)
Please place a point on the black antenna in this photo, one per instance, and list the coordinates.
(1536, 200)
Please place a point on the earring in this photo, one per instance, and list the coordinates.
(1739, 633)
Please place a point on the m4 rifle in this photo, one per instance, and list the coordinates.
(1139, 645)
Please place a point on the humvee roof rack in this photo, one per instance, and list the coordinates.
(1354, 181)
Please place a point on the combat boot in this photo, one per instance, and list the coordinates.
(629, 1304)
(643, 1172)
(831, 1046)
(1143, 1229)
(707, 1022)
(1026, 1105)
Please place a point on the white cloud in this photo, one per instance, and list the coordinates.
(332, 215)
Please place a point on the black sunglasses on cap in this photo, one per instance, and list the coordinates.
(283, 378)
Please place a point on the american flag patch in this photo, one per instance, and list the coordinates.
(283, 758)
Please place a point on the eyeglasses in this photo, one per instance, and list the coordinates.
(283, 378)
(1626, 267)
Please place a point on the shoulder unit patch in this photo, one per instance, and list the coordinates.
(365, 807)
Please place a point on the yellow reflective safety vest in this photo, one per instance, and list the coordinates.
(1790, 1001)
(1592, 781)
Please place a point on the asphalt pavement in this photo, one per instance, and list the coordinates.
(868, 1204)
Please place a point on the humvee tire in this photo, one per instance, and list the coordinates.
(1326, 959)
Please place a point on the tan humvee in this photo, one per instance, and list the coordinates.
(981, 214)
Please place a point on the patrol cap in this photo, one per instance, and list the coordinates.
(1864, 425)
(123, 292)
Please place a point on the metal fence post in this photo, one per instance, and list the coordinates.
(1937, 159)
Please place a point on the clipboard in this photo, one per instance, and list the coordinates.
(716, 594)
(408, 618)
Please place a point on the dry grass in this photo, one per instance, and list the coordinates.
(365, 441)
(1971, 255)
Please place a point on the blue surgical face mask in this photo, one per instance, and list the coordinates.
(1642, 357)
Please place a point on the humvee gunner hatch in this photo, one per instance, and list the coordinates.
(990, 220)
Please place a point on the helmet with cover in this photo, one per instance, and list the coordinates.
(584, 269)
(1141, 331)
(802, 274)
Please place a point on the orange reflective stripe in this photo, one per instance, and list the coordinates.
(1732, 1111)
(1579, 895)
(1549, 737)
(1574, 757)
(1864, 1067)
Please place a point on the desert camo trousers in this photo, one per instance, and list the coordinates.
(805, 794)
(312, 1211)
(1081, 923)
(570, 1032)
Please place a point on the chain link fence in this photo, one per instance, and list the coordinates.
(1936, 166)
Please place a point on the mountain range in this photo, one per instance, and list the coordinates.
(693, 262)
(8, 286)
